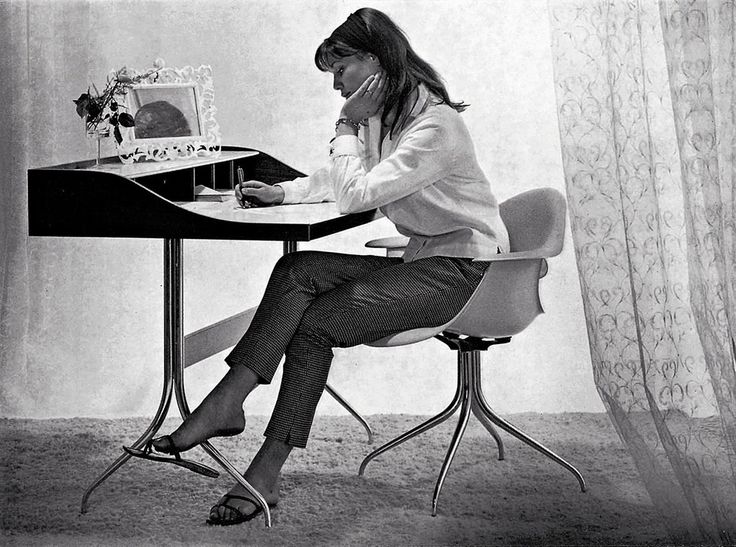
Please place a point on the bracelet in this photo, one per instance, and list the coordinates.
(347, 121)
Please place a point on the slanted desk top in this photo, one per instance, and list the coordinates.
(156, 200)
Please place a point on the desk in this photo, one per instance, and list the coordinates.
(156, 200)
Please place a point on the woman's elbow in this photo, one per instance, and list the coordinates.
(345, 207)
(350, 203)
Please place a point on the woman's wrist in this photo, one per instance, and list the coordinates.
(346, 126)
(346, 113)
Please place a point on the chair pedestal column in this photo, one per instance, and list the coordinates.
(469, 399)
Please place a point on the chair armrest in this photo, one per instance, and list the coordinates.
(518, 255)
(536, 254)
(395, 242)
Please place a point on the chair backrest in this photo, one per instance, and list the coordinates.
(535, 220)
(507, 299)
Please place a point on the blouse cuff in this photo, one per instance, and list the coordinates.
(292, 191)
(345, 145)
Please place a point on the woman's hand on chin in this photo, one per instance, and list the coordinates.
(367, 99)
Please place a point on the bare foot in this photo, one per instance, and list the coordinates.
(264, 474)
(196, 429)
(238, 504)
(219, 415)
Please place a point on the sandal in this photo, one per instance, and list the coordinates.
(240, 517)
(148, 454)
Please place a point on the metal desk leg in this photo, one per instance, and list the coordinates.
(174, 351)
(174, 376)
(290, 247)
(163, 407)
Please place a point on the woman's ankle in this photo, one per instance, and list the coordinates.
(265, 468)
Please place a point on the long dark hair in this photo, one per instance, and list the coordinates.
(369, 31)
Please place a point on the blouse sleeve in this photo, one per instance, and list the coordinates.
(424, 155)
(312, 189)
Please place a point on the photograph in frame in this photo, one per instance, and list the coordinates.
(173, 113)
(165, 111)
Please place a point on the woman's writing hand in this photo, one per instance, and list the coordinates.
(367, 99)
(254, 193)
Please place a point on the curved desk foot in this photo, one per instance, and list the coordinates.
(329, 389)
(434, 421)
(234, 473)
(102, 478)
(150, 431)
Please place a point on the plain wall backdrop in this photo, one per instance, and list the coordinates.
(96, 324)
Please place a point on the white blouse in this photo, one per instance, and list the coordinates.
(426, 180)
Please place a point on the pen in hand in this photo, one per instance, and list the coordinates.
(244, 203)
(254, 193)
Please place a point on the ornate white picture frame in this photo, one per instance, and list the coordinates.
(174, 113)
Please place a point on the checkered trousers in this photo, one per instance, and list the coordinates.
(316, 301)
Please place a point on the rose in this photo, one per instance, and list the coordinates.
(97, 107)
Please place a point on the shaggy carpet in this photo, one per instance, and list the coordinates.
(524, 500)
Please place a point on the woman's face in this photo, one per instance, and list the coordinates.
(349, 73)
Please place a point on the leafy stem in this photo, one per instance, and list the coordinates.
(95, 107)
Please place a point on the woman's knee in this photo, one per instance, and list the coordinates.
(303, 261)
(314, 331)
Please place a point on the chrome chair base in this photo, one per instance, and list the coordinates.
(469, 399)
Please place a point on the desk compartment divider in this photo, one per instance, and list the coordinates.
(174, 186)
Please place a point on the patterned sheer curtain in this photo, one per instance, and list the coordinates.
(645, 101)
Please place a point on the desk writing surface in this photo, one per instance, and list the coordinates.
(140, 201)
(230, 211)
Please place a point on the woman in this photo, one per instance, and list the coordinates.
(400, 145)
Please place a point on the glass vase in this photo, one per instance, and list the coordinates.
(98, 132)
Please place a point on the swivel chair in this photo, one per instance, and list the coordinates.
(505, 302)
